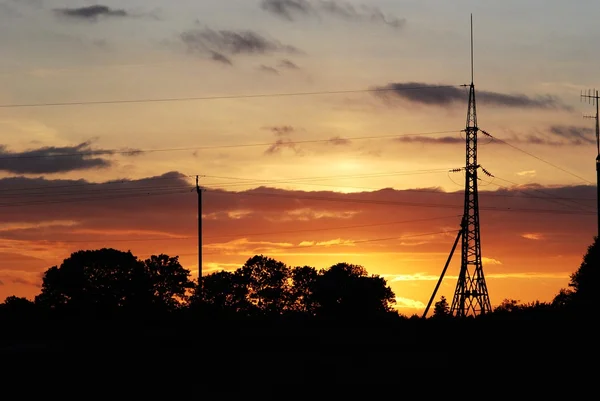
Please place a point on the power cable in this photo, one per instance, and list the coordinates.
(389, 223)
(350, 242)
(538, 158)
(396, 203)
(552, 197)
(133, 152)
(224, 97)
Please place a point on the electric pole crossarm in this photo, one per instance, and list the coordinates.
(460, 232)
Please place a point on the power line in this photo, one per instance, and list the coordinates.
(538, 158)
(302, 181)
(350, 242)
(133, 152)
(185, 189)
(111, 194)
(105, 187)
(225, 97)
(255, 234)
(398, 203)
(104, 199)
(551, 198)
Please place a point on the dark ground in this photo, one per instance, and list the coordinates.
(178, 360)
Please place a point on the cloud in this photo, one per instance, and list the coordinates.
(290, 65)
(338, 141)
(445, 96)
(446, 140)
(490, 261)
(91, 13)
(268, 70)
(281, 130)
(407, 303)
(533, 236)
(555, 135)
(222, 44)
(574, 135)
(44, 220)
(220, 58)
(291, 10)
(528, 173)
(54, 159)
(281, 144)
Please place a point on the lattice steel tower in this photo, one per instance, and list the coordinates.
(471, 295)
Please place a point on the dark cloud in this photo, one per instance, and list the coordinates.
(294, 9)
(218, 57)
(555, 135)
(574, 135)
(288, 64)
(54, 159)
(91, 13)
(338, 141)
(281, 130)
(281, 144)
(268, 70)
(442, 95)
(221, 44)
(446, 140)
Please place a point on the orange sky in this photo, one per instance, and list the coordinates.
(320, 161)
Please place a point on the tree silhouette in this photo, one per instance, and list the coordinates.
(346, 290)
(17, 307)
(169, 280)
(302, 298)
(223, 292)
(508, 306)
(267, 282)
(441, 309)
(585, 282)
(269, 287)
(108, 279)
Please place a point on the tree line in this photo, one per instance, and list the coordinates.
(109, 281)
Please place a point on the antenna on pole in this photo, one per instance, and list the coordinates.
(472, 61)
(593, 98)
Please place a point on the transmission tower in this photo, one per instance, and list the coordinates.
(471, 296)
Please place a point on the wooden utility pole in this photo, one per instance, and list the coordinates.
(199, 191)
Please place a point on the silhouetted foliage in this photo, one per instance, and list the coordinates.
(346, 289)
(170, 282)
(585, 282)
(17, 306)
(264, 286)
(441, 309)
(268, 284)
(223, 291)
(508, 306)
(563, 299)
(302, 297)
(108, 279)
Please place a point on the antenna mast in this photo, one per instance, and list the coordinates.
(593, 98)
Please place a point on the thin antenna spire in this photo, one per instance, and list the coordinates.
(472, 62)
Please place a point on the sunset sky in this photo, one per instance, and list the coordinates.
(324, 168)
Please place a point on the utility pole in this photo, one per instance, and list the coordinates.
(471, 296)
(199, 191)
(593, 98)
